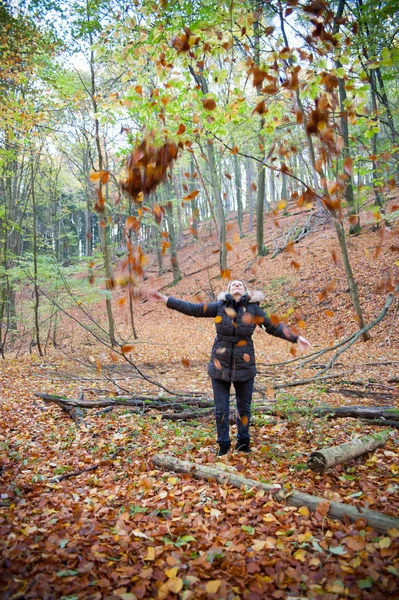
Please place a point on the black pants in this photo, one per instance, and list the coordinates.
(221, 394)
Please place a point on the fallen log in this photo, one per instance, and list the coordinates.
(140, 401)
(357, 412)
(321, 460)
(376, 520)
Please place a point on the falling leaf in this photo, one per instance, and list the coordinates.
(209, 104)
(218, 319)
(246, 357)
(348, 165)
(191, 196)
(217, 364)
(182, 129)
(185, 362)
(230, 312)
(126, 349)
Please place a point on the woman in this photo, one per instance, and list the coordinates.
(236, 314)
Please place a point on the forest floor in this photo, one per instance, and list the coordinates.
(127, 530)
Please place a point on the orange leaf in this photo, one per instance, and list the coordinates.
(348, 165)
(182, 129)
(94, 175)
(241, 343)
(246, 357)
(185, 362)
(217, 364)
(104, 176)
(274, 319)
(218, 319)
(138, 89)
(323, 508)
(122, 301)
(329, 313)
(228, 246)
(126, 349)
(191, 196)
(209, 103)
(225, 273)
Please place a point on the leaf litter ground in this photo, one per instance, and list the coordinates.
(127, 530)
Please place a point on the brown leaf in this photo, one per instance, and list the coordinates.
(348, 165)
(126, 349)
(209, 104)
(182, 129)
(322, 508)
(185, 362)
(191, 196)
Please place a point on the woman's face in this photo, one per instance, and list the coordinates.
(237, 288)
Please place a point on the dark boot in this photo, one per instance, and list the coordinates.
(243, 446)
(224, 447)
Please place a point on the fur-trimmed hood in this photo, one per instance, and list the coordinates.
(255, 296)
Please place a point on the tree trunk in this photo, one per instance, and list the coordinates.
(102, 223)
(357, 412)
(336, 510)
(349, 276)
(248, 175)
(238, 183)
(35, 277)
(321, 460)
(261, 183)
(219, 206)
(172, 240)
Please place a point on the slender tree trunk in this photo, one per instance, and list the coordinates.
(238, 183)
(35, 275)
(349, 276)
(102, 224)
(248, 175)
(219, 206)
(377, 195)
(172, 241)
(261, 183)
(157, 241)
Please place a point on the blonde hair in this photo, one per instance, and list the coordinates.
(243, 283)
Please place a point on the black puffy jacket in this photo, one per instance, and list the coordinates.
(233, 355)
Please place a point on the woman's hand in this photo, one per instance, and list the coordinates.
(303, 344)
(154, 296)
